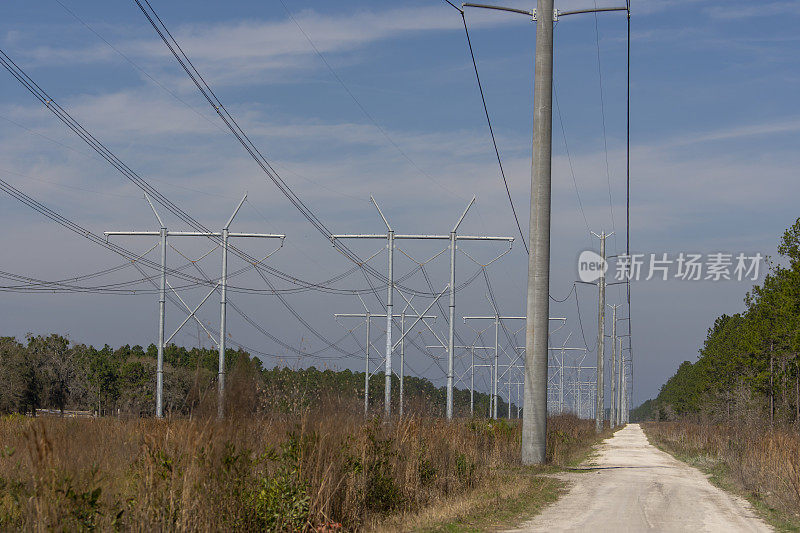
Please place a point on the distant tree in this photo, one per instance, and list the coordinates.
(58, 368)
(11, 353)
(749, 365)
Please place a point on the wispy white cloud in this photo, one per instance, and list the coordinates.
(760, 9)
(651, 7)
(332, 163)
(244, 52)
(791, 125)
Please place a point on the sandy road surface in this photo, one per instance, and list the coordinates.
(636, 487)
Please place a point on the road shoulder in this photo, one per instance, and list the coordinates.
(718, 475)
(512, 496)
(631, 486)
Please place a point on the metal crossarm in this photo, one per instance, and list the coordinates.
(164, 234)
(390, 237)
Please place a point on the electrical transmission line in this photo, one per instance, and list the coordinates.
(136, 258)
(358, 103)
(491, 129)
(207, 92)
(36, 90)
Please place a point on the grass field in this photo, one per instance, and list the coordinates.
(322, 470)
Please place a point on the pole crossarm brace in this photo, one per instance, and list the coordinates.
(556, 13)
(195, 234)
(389, 347)
(221, 285)
(418, 237)
(596, 10)
(390, 237)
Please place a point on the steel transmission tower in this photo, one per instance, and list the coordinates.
(495, 379)
(224, 235)
(453, 237)
(368, 318)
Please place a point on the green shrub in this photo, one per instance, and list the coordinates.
(282, 501)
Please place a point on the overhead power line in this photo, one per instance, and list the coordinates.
(255, 153)
(491, 130)
(569, 160)
(40, 94)
(361, 106)
(603, 121)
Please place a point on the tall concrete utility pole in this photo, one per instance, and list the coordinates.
(623, 391)
(222, 238)
(534, 416)
(620, 371)
(627, 413)
(614, 413)
(453, 237)
(599, 413)
(620, 383)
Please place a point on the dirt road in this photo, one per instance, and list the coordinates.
(632, 486)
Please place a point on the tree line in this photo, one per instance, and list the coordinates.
(50, 372)
(748, 369)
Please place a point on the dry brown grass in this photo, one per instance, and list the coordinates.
(313, 471)
(505, 501)
(764, 463)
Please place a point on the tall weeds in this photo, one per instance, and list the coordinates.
(313, 470)
(764, 462)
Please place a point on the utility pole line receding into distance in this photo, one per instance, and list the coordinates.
(599, 413)
(534, 416)
(614, 414)
(453, 237)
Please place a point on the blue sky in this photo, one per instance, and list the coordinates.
(715, 128)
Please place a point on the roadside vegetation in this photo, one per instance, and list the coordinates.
(735, 411)
(319, 469)
(294, 454)
(763, 466)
